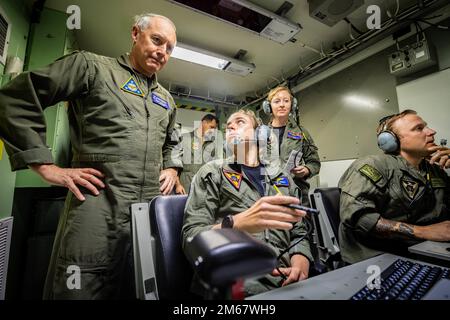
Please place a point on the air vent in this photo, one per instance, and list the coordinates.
(331, 12)
(246, 15)
(5, 30)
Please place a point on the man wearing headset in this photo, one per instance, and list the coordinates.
(294, 143)
(242, 193)
(391, 201)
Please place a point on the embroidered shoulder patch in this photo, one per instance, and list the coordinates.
(131, 87)
(294, 135)
(234, 178)
(371, 173)
(282, 182)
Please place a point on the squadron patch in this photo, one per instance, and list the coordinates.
(282, 182)
(234, 178)
(410, 187)
(131, 87)
(294, 135)
(371, 173)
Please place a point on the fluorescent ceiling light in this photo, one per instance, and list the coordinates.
(199, 58)
(210, 59)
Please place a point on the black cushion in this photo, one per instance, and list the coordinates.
(173, 272)
(221, 256)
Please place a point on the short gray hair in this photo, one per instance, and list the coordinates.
(144, 20)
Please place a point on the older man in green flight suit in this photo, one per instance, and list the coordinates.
(394, 200)
(121, 121)
(200, 146)
(249, 196)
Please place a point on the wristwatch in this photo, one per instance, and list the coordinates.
(227, 222)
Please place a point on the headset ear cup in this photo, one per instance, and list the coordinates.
(388, 141)
(266, 107)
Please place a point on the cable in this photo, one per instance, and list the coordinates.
(353, 26)
(309, 230)
(434, 25)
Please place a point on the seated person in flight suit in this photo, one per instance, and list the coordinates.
(394, 200)
(242, 193)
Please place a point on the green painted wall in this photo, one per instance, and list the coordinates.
(48, 44)
(17, 14)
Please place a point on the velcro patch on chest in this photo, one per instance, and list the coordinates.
(131, 86)
(234, 178)
(160, 101)
(410, 187)
(437, 182)
(294, 135)
(371, 173)
(282, 182)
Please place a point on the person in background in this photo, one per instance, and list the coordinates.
(293, 142)
(200, 146)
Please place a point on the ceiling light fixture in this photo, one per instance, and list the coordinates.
(210, 59)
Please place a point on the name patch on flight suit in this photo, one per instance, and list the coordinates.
(131, 87)
(410, 187)
(160, 101)
(282, 182)
(234, 178)
(437, 183)
(371, 173)
(294, 135)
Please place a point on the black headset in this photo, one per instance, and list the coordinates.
(267, 108)
(387, 140)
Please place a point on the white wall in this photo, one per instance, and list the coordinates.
(331, 172)
(430, 97)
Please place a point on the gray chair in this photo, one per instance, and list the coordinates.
(326, 225)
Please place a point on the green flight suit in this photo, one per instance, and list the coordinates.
(196, 154)
(297, 138)
(213, 195)
(121, 124)
(387, 186)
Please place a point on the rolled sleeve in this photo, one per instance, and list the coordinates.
(20, 160)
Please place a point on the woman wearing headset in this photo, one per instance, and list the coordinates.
(295, 147)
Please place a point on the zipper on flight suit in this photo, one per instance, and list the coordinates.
(146, 138)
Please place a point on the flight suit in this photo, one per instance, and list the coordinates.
(387, 186)
(196, 154)
(297, 138)
(120, 124)
(219, 189)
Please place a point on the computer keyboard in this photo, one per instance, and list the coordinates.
(404, 280)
